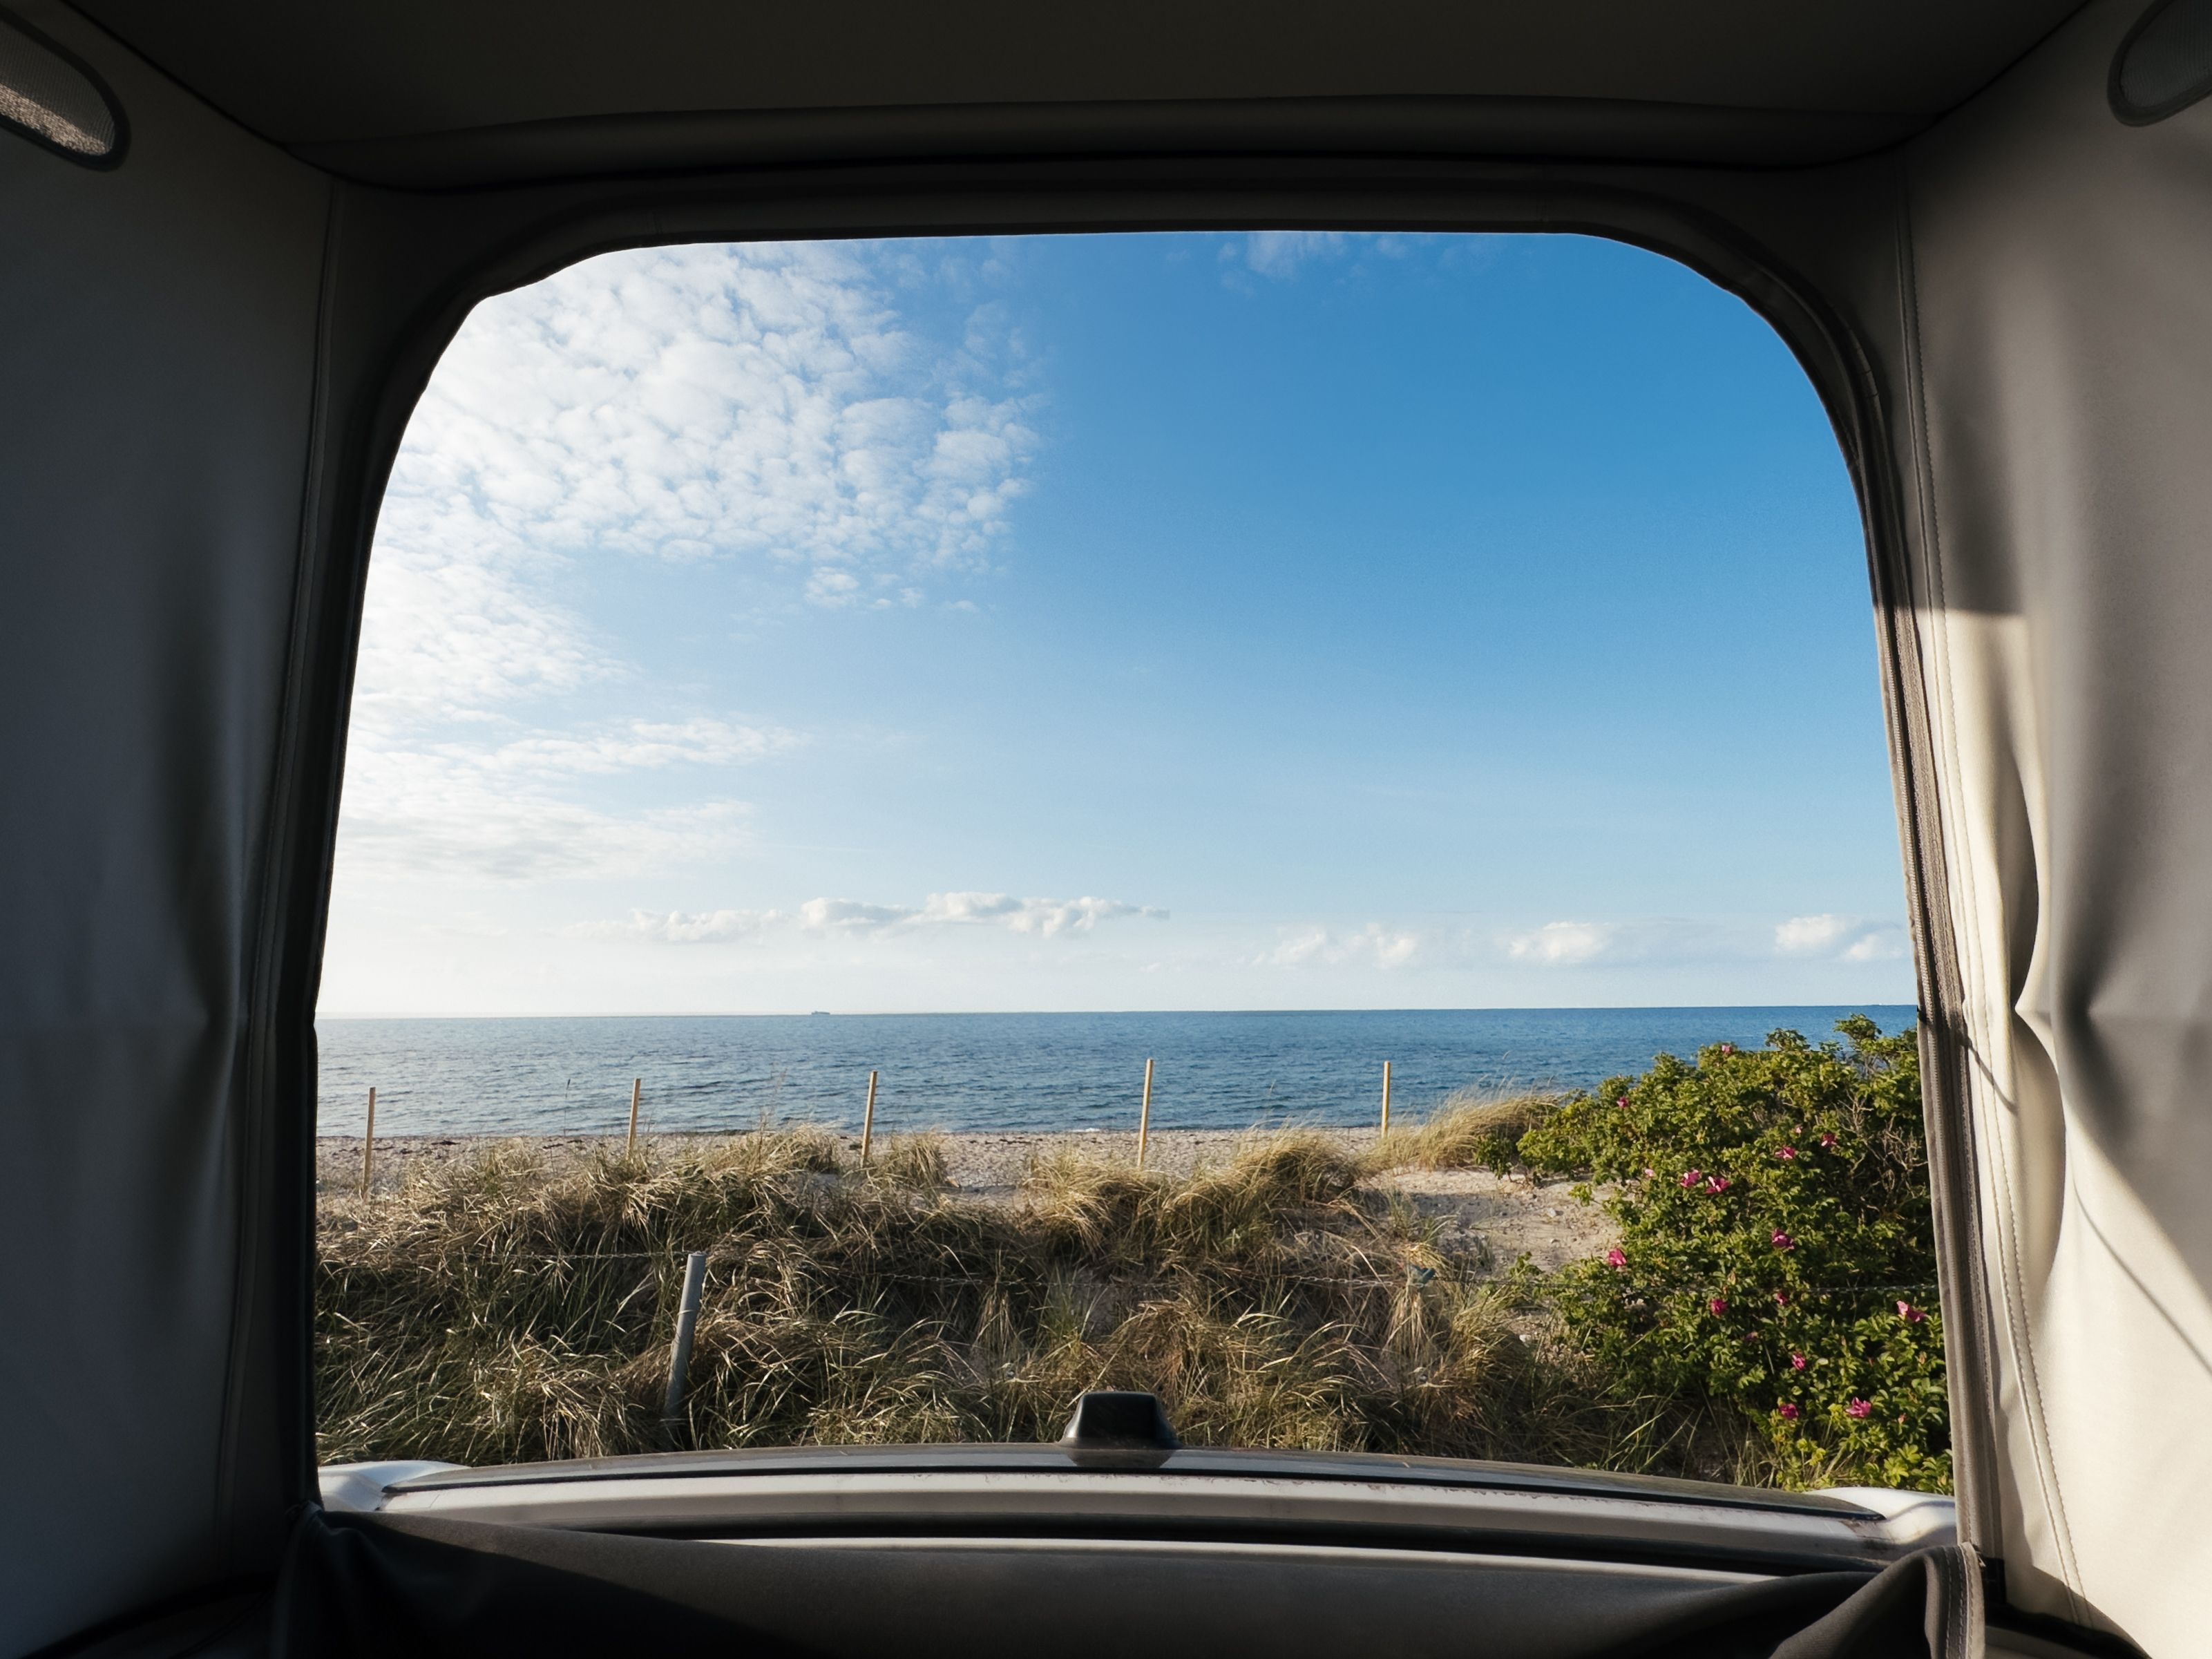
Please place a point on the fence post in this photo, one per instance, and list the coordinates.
(1144, 1116)
(1386, 1097)
(368, 1145)
(636, 1086)
(868, 1121)
(687, 1325)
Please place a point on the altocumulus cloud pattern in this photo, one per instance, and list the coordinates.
(764, 404)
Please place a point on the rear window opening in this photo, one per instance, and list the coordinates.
(1296, 822)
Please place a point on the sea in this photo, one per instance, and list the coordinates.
(1069, 1072)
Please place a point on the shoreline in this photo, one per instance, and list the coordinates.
(1479, 1214)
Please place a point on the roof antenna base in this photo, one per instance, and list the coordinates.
(1116, 1420)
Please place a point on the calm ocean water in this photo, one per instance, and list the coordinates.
(1216, 1071)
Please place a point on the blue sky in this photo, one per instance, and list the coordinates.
(1136, 622)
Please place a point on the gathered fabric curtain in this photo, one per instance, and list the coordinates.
(2055, 374)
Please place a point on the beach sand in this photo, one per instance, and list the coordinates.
(1490, 1218)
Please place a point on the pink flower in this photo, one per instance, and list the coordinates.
(1719, 1305)
(1623, 1101)
(1613, 1258)
(1649, 1172)
(1782, 1299)
(1783, 1242)
(1694, 1177)
(1827, 1140)
(1728, 1047)
(1785, 1151)
(1718, 1183)
(1789, 1411)
(1797, 1362)
(1858, 1408)
(1911, 1314)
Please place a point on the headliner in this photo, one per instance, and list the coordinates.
(427, 92)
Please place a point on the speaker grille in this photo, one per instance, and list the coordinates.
(2166, 62)
(45, 97)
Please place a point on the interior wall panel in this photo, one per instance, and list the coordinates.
(155, 371)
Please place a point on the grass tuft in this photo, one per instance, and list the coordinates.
(1470, 1130)
(918, 1161)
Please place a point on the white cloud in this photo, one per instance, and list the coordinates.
(1561, 942)
(676, 928)
(507, 811)
(1847, 938)
(418, 815)
(1374, 946)
(1029, 916)
(1665, 939)
(1885, 945)
(634, 746)
(450, 632)
(1807, 935)
(1020, 915)
(1041, 916)
(823, 916)
(1280, 253)
(701, 402)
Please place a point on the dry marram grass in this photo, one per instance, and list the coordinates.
(1472, 1129)
(501, 1310)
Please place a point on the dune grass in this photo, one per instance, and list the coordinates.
(1472, 1129)
(503, 1310)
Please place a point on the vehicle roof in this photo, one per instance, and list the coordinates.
(360, 84)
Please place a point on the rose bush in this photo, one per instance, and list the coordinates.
(1776, 1250)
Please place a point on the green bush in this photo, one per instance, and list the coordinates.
(1776, 1252)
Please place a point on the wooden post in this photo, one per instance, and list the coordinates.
(868, 1122)
(1386, 1097)
(679, 1355)
(368, 1145)
(1144, 1116)
(636, 1087)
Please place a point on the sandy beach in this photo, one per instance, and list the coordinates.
(1489, 1219)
